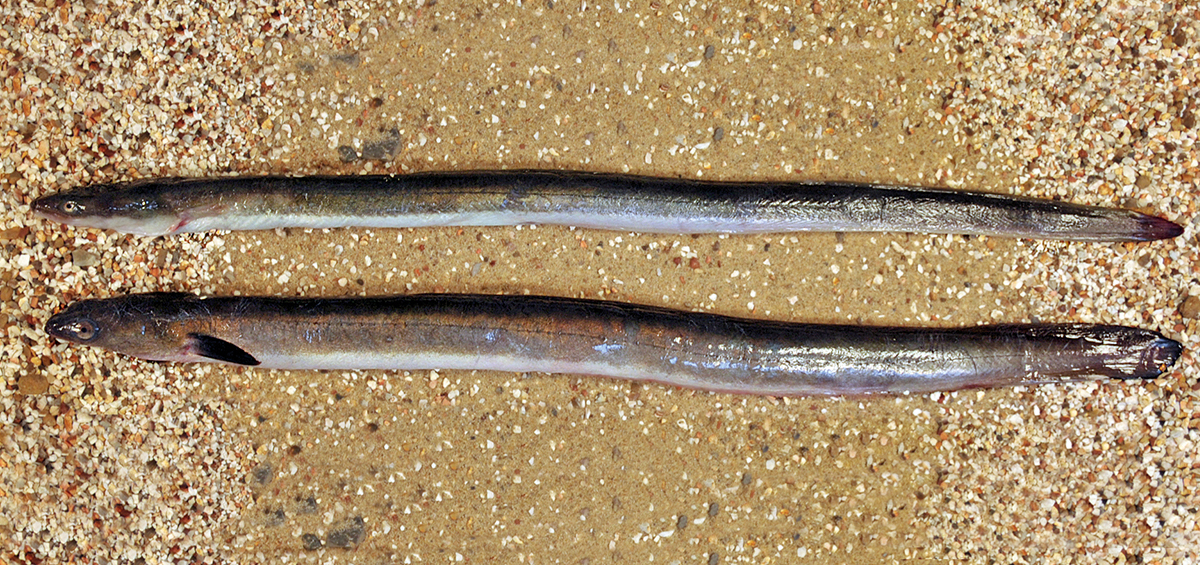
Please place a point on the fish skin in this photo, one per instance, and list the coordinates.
(583, 199)
(610, 339)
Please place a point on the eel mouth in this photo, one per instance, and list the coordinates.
(57, 327)
(51, 208)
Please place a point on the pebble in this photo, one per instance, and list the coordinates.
(348, 534)
(33, 384)
(347, 154)
(384, 148)
(263, 474)
(1190, 308)
(310, 542)
(83, 258)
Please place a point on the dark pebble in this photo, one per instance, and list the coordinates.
(347, 154)
(348, 59)
(747, 479)
(382, 149)
(718, 134)
(714, 558)
(311, 542)
(682, 522)
(276, 517)
(349, 534)
(713, 509)
(263, 473)
(306, 505)
(709, 51)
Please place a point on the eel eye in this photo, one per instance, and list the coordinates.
(83, 329)
(72, 207)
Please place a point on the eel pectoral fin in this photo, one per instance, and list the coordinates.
(218, 349)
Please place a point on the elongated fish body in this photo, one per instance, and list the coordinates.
(590, 200)
(609, 339)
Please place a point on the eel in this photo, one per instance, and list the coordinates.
(607, 339)
(583, 199)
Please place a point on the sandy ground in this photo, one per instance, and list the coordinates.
(104, 459)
